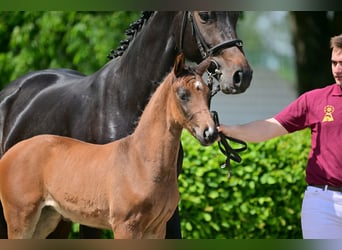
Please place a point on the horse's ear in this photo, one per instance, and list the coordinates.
(203, 66)
(179, 65)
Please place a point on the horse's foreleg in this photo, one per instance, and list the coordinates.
(173, 228)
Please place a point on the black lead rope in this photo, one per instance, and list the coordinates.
(226, 149)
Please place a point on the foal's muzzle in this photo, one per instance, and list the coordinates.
(210, 135)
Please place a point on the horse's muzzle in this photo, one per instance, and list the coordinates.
(234, 74)
(237, 83)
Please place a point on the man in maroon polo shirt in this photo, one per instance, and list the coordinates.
(321, 111)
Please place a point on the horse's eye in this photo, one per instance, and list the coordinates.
(204, 15)
(183, 94)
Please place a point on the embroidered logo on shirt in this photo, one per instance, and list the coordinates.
(328, 110)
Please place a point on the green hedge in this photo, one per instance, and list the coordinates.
(33, 40)
(262, 199)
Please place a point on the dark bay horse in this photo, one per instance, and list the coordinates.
(105, 106)
(128, 185)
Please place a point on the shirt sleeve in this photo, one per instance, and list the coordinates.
(294, 116)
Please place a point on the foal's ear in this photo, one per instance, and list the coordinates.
(203, 66)
(179, 65)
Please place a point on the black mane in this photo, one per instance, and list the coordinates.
(130, 32)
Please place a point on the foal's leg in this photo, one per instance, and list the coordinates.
(47, 223)
(62, 230)
(127, 230)
(157, 232)
(21, 222)
(31, 222)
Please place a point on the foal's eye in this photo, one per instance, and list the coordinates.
(183, 94)
(204, 15)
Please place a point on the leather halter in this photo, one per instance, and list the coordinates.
(223, 143)
(205, 50)
(202, 45)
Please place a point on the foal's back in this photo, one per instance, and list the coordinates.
(51, 156)
(39, 158)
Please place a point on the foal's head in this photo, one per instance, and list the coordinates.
(191, 101)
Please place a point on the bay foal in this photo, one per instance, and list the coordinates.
(129, 185)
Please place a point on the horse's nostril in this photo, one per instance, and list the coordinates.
(237, 78)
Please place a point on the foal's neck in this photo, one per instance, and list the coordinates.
(158, 134)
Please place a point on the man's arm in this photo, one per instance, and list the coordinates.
(256, 131)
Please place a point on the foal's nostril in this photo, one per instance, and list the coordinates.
(206, 133)
(210, 134)
(237, 78)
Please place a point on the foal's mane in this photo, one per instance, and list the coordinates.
(133, 29)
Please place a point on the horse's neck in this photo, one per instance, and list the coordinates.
(125, 83)
(157, 135)
(150, 54)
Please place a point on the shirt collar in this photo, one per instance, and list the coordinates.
(337, 91)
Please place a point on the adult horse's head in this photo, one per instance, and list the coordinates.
(191, 95)
(210, 33)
